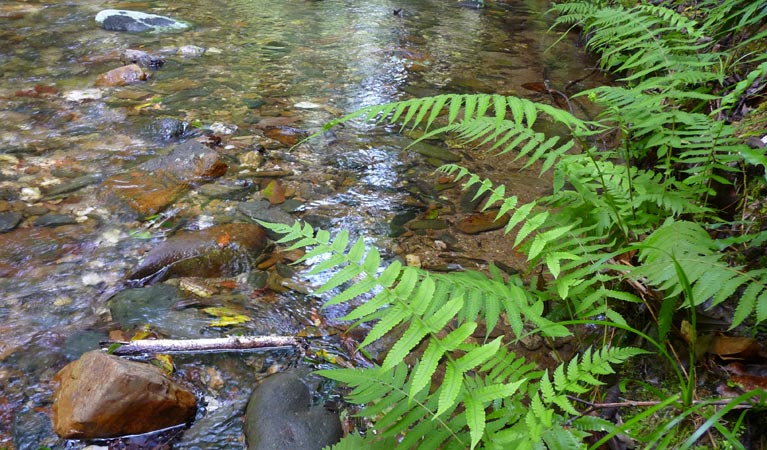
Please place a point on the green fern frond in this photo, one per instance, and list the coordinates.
(711, 278)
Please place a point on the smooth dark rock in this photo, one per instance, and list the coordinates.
(75, 184)
(9, 221)
(155, 305)
(279, 417)
(433, 151)
(218, 251)
(103, 396)
(54, 220)
(137, 22)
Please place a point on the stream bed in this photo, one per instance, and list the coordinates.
(243, 70)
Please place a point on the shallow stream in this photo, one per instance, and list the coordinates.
(297, 63)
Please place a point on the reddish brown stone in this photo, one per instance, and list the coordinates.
(103, 396)
(122, 76)
(286, 135)
(478, 223)
(153, 185)
(222, 250)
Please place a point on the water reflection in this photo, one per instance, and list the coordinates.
(263, 58)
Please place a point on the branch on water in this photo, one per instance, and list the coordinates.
(232, 343)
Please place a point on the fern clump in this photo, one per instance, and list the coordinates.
(626, 224)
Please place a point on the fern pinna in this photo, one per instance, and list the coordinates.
(481, 397)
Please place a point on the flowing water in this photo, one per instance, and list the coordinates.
(300, 62)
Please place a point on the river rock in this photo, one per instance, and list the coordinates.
(167, 128)
(279, 416)
(264, 211)
(103, 396)
(121, 76)
(218, 251)
(155, 184)
(286, 135)
(480, 222)
(26, 249)
(142, 58)
(434, 151)
(136, 21)
(54, 220)
(9, 220)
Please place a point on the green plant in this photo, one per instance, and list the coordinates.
(650, 194)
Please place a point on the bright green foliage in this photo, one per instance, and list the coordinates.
(650, 193)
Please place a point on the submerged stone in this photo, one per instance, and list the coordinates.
(153, 185)
(279, 416)
(103, 396)
(137, 22)
(218, 251)
(480, 222)
(9, 221)
(433, 151)
(121, 76)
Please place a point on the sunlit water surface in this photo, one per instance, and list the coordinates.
(341, 55)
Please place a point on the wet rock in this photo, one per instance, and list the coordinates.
(155, 184)
(190, 51)
(480, 222)
(155, 305)
(54, 220)
(168, 128)
(74, 184)
(427, 224)
(218, 251)
(218, 430)
(279, 416)
(227, 190)
(121, 76)
(263, 210)
(433, 151)
(25, 249)
(470, 201)
(142, 58)
(286, 135)
(103, 396)
(9, 221)
(136, 21)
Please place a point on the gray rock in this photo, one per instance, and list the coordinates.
(142, 58)
(9, 221)
(168, 128)
(75, 184)
(137, 22)
(54, 220)
(263, 210)
(279, 416)
(153, 305)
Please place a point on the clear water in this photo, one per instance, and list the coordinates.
(341, 55)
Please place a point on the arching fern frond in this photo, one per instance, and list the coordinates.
(712, 279)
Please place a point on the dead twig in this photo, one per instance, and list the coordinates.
(227, 344)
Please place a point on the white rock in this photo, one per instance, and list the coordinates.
(30, 194)
(307, 105)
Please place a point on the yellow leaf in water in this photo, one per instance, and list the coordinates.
(164, 362)
(226, 316)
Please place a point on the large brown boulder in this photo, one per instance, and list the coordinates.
(155, 184)
(103, 396)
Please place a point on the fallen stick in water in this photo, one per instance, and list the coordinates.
(232, 343)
